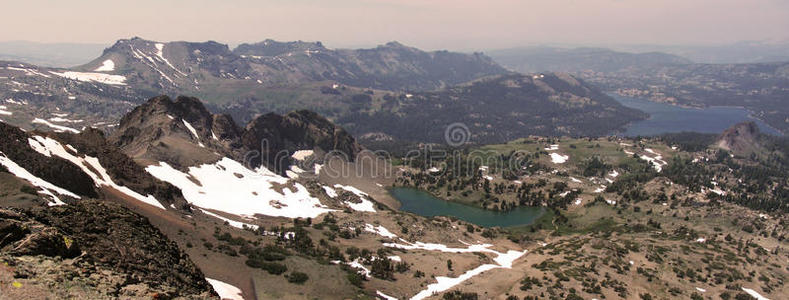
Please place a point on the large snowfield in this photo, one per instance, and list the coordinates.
(230, 187)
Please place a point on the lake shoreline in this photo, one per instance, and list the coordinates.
(670, 118)
(426, 204)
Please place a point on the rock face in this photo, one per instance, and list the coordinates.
(65, 174)
(183, 133)
(15, 146)
(276, 137)
(741, 138)
(120, 252)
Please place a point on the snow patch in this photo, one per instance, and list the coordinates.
(503, 260)
(379, 230)
(384, 296)
(93, 77)
(754, 294)
(47, 188)
(230, 187)
(558, 158)
(194, 133)
(160, 54)
(89, 165)
(56, 128)
(365, 205)
(230, 222)
(106, 66)
(301, 154)
(225, 290)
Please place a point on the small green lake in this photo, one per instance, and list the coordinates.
(425, 204)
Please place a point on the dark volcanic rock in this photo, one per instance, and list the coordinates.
(105, 236)
(14, 145)
(277, 136)
(123, 170)
(153, 131)
(113, 236)
(741, 138)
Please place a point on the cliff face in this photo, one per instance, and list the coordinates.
(741, 138)
(183, 133)
(103, 248)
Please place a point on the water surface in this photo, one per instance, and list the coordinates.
(667, 118)
(425, 204)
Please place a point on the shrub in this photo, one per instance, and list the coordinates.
(297, 277)
(458, 295)
(28, 190)
(356, 279)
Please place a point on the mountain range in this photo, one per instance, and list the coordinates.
(541, 59)
(350, 87)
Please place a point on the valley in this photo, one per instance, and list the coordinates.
(290, 170)
(599, 215)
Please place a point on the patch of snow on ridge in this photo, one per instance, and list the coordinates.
(93, 77)
(503, 260)
(301, 154)
(29, 72)
(160, 54)
(56, 128)
(330, 191)
(754, 294)
(384, 296)
(230, 187)
(379, 230)
(106, 66)
(230, 222)
(194, 133)
(225, 291)
(365, 205)
(558, 158)
(3, 111)
(47, 187)
(89, 165)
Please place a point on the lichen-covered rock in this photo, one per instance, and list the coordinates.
(101, 246)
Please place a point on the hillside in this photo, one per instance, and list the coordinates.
(759, 87)
(496, 109)
(610, 211)
(541, 59)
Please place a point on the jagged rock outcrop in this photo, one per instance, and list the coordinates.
(15, 146)
(117, 252)
(69, 175)
(159, 130)
(741, 138)
(276, 137)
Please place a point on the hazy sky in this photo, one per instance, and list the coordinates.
(429, 24)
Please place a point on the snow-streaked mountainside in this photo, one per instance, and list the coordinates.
(392, 91)
(188, 65)
(103, 90)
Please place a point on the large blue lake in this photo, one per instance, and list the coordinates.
(666, 118)
(425, 204)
